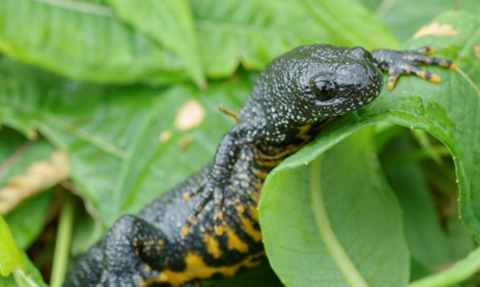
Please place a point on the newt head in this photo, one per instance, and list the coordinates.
(314, 82)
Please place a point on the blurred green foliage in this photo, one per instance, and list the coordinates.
(122, 71)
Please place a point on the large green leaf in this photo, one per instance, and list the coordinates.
(123, 144)
(254, 32)
(447, 110)
(335, 220)
(83, 40)
(169, 22)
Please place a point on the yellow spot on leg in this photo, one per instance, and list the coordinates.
(258, 186)
(302, 133)
(147, 268)
(391, 82)
(218, 217)
(212, 246)
(252, 211)
(247, 226)
(435, 79)
(218, 230)
(260, 174)
(161, 279)
(238, 205)
(234, 242)
(255, 196)
(421, 74)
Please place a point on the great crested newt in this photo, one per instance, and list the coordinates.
(293, 98)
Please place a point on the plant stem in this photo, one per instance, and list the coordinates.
(62, 245)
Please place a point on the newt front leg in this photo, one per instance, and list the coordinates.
(216, 184)
(397, 63)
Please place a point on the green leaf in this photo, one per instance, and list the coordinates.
(310, 218)
(254, 32)
(436, 108)
(11, 258)
(83, 40)
(170, 23)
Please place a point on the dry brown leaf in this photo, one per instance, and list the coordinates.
(38, 177)
(436, 29)
(476, 51)
(190, 115)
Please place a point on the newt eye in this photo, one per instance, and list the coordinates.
(323, 90)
